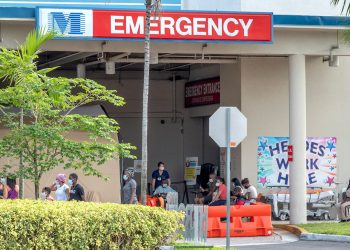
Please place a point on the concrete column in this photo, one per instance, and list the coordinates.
(297, 134)
(231, 95)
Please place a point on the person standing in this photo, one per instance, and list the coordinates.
(76, 190)
(2, 187)
(61, 188)
(45, 194)
(250, 191)
(129, 188)
(159, 175)
(11, 189)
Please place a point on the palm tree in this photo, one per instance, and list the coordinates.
(151, 5)
(345, 5)
(24, 59)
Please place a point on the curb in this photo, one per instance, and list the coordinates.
(292, 229)
(304, 235)
(324, 237)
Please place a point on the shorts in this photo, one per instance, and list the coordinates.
(208, 199)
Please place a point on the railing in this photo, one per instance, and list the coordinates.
(195, 222)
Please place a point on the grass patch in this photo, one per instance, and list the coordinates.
(328, 228)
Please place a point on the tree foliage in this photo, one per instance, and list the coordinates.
(49, 105)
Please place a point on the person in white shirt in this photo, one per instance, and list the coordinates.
(61, 188)
(250, 191)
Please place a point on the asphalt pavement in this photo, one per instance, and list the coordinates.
(308, 245)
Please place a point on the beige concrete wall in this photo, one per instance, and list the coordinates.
(103, 191)
(265, 103)
(230, 94)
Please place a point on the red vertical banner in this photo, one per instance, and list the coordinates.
(290, 153)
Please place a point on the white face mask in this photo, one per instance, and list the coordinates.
(43, 195)
(217, 184)
(70, 182)
(125, 177)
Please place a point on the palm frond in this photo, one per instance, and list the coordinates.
(34, 40)
(345, 5)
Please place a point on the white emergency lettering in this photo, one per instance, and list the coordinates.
(115, 24)
(135, 28)
(167, 23)
(154, 26)
(187, 28)
(182, 26)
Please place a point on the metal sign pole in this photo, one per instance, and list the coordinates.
(228, 176)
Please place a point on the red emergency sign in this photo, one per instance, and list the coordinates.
(183, 25)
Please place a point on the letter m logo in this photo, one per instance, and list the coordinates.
(72, 23)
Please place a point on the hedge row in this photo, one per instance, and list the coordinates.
(27, 224)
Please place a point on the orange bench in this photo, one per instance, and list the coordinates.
(251, 220)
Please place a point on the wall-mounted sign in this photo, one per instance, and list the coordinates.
(191, 170)
(203, 92)
(321, 161)
(192, 26)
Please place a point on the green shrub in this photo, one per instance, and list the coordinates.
(27, 224)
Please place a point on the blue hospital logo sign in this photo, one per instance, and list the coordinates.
(65, 22)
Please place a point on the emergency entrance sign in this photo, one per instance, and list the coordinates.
(201, 26)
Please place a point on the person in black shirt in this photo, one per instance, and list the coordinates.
(76, 190)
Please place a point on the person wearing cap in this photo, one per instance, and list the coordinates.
(61, 188)
(158, 175)
(163, 189)
(129, 188)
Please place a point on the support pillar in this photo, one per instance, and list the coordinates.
(297, 134)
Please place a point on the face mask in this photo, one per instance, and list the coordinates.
(217, 184)
(57, 183)
(43, 195)
(161, 168)
(211, 180)
(70, 182)
(165, 185)
(125, 177)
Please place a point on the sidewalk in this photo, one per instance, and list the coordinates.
(279, 237)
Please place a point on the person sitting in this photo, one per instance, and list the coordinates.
(239, 197)
(250, 191)
(163, 189)
(219, 196)
(236, 183)
(207, 193)
(343, 208)
(45, 194)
